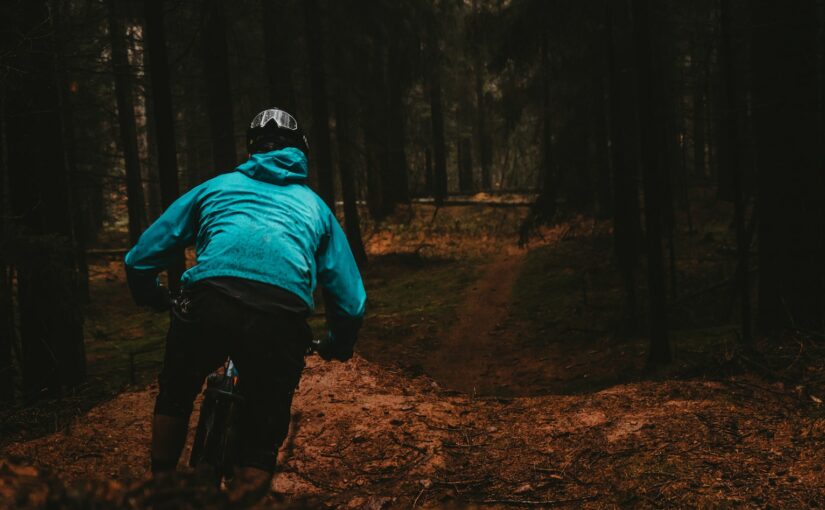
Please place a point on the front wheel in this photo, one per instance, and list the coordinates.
(215, 437)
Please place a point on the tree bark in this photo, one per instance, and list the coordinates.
(7, 328)
(604, 193)
(428, 172)
(485, 149)
(135, 205)
(7, 332)
(152, 183)
(320, 142)
(345, 161)
(465, 165)
(652, 178)
(376, 132)
(437, 118)
(727, 147)
(163, 117)
(626, 213)
(218, 88)
(196, 161)
(791, 212)
(278, 32)
(699, 116)
(80, 231)
(730, 143)
(51, 324)
(398, 183)
(546, 203)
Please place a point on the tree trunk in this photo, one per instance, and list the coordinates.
(375, 195)
(80, 232)
(730, 143)
(7, 332)
(128, 129)
(398, 183)
(7, 329)
(320, 112)
(376, 134)
(164, 117)
(154, 203)
(604, 193)
(278, 47)
(710, 120)
(545, 207)
(699, 116)
(652, 179)
(428, 172)
(437, 118)
(485, 149)
(668, 146)
(626, 213)
(789, 163)
(345, 161)
(218, 89)
(727, 149)
(51, 324)
(197, 166)
(465, 165)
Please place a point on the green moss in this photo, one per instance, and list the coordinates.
(567, 287)
(570, 294)
(410, 304)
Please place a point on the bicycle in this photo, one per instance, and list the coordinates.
(216, 436)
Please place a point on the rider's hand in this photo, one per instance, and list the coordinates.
(147, 291)
(341, 354)
(330, 350)
(162, 301)
(343, 333)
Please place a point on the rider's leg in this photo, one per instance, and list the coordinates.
(168, 438)
(193, 349)
(270, 359)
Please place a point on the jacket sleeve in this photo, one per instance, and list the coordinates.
(158, 244)
(344, 294)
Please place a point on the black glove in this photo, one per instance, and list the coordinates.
(147, 290)
(343, 333)
(329, 349)
(161, 301)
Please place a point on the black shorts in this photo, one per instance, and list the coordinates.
(267, 348)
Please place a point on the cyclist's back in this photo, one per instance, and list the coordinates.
(262, 223)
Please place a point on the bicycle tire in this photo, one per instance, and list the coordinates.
(215, 437)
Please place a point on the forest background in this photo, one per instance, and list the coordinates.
(652, 171)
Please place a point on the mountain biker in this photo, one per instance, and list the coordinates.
(262, 240)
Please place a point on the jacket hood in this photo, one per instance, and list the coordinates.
(283, 166)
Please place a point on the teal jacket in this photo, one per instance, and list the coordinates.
(260, 222)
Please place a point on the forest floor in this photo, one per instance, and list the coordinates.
(487, 376)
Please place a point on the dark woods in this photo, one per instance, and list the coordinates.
(620, 110)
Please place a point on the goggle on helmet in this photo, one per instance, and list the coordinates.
(275, 126)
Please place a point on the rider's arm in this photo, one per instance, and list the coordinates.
(344, 295)
(158, 245)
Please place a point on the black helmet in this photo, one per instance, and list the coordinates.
(274, 129)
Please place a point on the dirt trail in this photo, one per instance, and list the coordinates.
(467, 354)
(365, 436)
